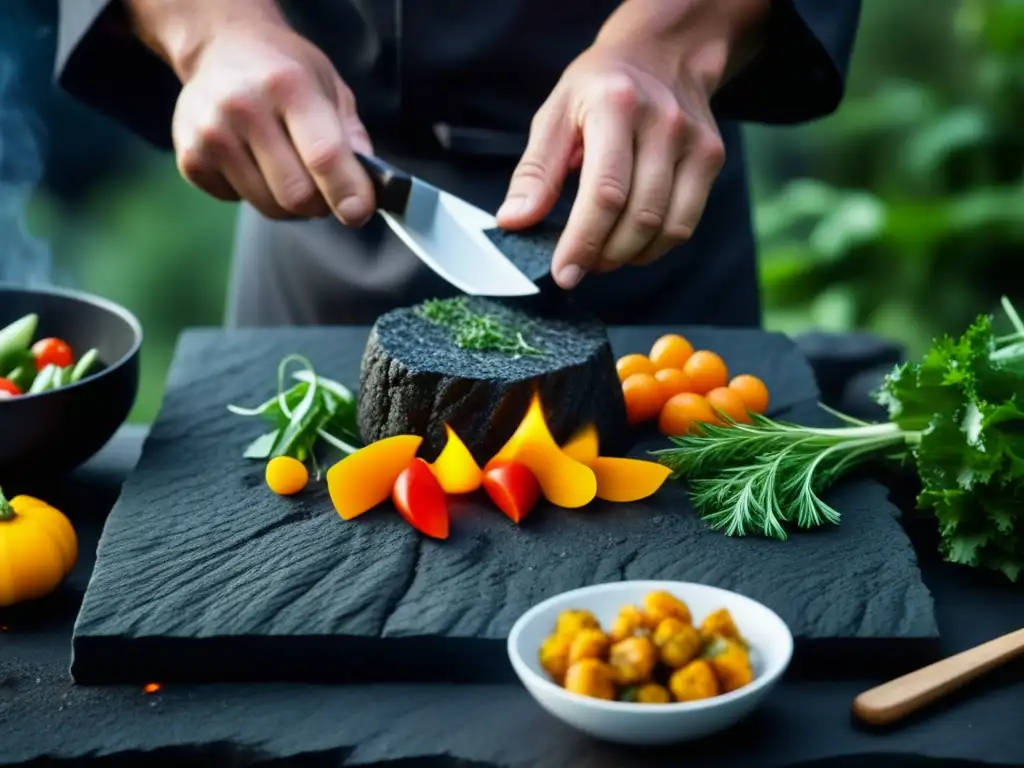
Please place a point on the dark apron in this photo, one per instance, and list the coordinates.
(448, 94)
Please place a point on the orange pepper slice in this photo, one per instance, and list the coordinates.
(455, 468)
(364, 479)
(620, 479)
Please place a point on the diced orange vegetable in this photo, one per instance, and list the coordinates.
(670, 351)
(627, 365)
(364, 479)
(564, 481)
(752, 391)
(583, 446)
(627, 479)
(455, 468)
(644, 396)
(728, 401)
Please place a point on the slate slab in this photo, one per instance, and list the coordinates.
(203, 575)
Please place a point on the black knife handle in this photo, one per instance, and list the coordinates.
(391, 185)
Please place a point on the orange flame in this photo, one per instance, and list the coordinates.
(151, 687)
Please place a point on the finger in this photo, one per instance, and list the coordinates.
(649, 195)
(605, 180)
(287, 178)
(199, 154)
(695, 176)
(244, 175)
(538, 178)
(319, 137)
(214, 184)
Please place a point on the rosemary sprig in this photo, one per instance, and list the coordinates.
(475, 330)
(762, 477)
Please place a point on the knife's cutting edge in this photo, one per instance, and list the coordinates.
(447, 234)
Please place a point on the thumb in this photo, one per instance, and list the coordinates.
(537, 180)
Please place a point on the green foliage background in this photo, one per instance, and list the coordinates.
(903, 213)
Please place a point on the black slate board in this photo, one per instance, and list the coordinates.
(202, 574)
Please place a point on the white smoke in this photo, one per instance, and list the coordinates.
(25, 259)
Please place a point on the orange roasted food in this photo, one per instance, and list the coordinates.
(728, 402)
(649, 655)
(681, 412)
(627, 365)
(644, 397)
(752, 391)
(706, 370)
(670, 351)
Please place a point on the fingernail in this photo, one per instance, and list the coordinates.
(352, 211)
(513, 206)
(569, 276)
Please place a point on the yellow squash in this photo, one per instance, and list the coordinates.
(38, 549)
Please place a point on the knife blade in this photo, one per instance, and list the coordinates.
(445, 232)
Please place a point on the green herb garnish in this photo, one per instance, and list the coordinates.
(475, 330)
(956, 416)
(312, 410)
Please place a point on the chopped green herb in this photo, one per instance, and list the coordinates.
(476, 330)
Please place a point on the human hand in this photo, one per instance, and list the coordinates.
(652, 150)
(263, 116)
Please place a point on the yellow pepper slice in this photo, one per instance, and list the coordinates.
(364, 479)
(564, 481)
(583, 446)
(455, 468)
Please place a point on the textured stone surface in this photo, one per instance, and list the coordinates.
(529, 249)
(414, 380)
(46, 720)
(202, 574)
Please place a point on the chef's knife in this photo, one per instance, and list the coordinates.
(446, 233)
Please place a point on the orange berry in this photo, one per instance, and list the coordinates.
(682, 411)
(644, 397)
(752, 391)
(627, 365)
(706, 371)
(673, 381)
(286, 475)
(670, 351)
(728, 401)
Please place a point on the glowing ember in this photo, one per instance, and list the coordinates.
(151, 687)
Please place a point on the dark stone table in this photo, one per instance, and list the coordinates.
(45, 720)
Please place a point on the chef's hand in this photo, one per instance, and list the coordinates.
(263, 115)
(634, 110)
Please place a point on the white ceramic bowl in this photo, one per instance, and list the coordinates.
(644, 724)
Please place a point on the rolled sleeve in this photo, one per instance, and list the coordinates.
(100, 62)
(801, 72)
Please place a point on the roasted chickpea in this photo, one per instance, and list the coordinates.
(554, 656)
(652, 693)
(677, 643)
(720, 624)
(731, 663)
(633, 660)
(693, 682)
(591, 677)
(588, 644)
(629, 622)
(663, 605)
(571, 622)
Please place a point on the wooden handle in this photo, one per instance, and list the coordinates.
(903, 696)
(390, 185)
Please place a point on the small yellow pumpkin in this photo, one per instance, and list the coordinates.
(38, 549)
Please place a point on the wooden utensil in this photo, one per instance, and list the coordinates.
(892, 701)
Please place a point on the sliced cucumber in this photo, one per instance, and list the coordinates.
(17, 337)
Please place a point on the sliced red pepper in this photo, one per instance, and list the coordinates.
(9, 387)
(512, 487)
(421, 500)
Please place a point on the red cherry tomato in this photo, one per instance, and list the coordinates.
(513, 488)
(52, 352)
(420, 499)
(8, 389)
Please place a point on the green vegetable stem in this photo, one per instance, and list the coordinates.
(956, 416)
(315, 409)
